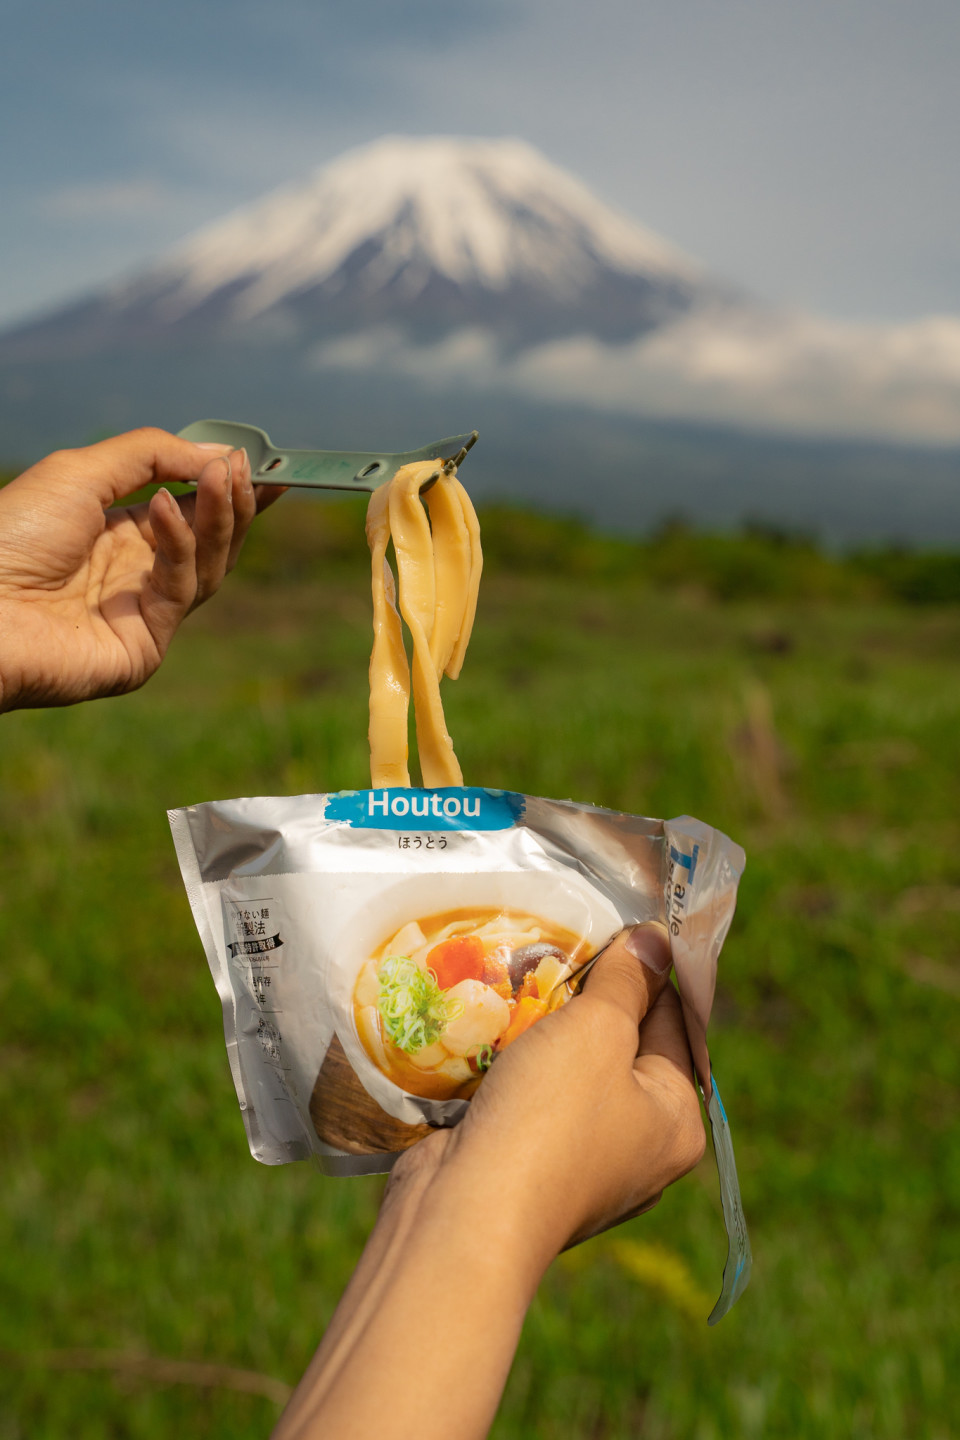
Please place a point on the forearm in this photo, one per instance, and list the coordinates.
(423, 1339)
(572, 1130)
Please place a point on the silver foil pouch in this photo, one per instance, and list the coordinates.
(375, 950)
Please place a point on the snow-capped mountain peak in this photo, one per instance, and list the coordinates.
(476, 213)
(428, 236)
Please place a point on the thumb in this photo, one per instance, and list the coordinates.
(631, 972)
(116, 467)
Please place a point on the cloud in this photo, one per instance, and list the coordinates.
(468, 356)
(762, 370)
(772, 371)
(114, 200)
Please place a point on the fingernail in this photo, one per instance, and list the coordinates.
(245, 479)
(214, 449)
(168, 501)
(651, 947)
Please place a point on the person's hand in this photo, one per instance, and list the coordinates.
(595, 1113)
(91, 597)
(580, 1123)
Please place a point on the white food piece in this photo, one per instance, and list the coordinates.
(549, 973)
(368, 985)
(368, 1028)
(499, 931)
(429, 1057)
(455, 1069)
(484, 1018)
(407, 939)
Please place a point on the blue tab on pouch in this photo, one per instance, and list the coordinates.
(736, 1272)
(455, 807)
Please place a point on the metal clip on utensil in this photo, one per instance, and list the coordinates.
(325, 469)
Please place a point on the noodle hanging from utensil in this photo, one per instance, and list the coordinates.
(439, 560)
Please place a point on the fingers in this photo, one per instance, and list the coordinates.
(219, 511)
(222, 511)
(661, 1062)
(664, 1067)
(198, 539)
(631, 972)
(244, 501)
(657, 1134)
(113, 468)
(663, 1034)
(172, 584)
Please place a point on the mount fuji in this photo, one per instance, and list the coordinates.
(425, 235)
(417, 287)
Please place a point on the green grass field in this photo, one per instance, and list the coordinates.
(155, 1280)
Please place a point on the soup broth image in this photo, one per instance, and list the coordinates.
(445, 994)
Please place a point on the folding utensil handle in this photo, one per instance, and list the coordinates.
(321, 469)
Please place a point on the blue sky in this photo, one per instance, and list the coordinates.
(804, 150)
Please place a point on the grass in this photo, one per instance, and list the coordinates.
(814, 721)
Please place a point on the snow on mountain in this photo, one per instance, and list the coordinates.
(488, 213)
(428, 233)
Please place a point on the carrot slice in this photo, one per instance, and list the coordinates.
(456, 959)
(526, 1013)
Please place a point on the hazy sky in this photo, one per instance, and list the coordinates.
(803, 148)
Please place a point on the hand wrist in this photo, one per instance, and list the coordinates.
(465, 1194)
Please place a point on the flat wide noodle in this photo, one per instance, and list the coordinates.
(389, 672)
(438, 568)
(473, 583)
(451, 560)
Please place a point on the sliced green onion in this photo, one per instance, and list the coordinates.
(414, 1010)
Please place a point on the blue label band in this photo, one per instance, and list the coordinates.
(688, 862)
(449, 808)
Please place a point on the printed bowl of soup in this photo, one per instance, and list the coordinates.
(452, 970)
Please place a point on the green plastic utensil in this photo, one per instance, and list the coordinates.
(324, 469)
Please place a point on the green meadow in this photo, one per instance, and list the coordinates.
(156, 1281)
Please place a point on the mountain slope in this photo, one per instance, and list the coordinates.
(432, 234)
